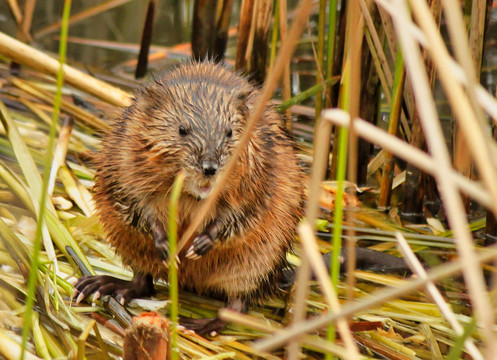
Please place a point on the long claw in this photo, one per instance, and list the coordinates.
(124, 290)
(80, 298)
(73, 295)
(191, 253)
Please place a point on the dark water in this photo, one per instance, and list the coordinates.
(122, 25)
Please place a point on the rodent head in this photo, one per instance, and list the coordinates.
(193, 118)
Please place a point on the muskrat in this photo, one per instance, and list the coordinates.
(190, 120)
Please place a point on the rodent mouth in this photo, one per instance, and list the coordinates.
(204, 189)
(200, 189)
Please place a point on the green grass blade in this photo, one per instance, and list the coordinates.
(343, 135)
(17, 186)
(43, 196)
(173, 264)
(306, 94)
(26, 162)
(320, 55)
(332, 19)
(458, 347)
(41, 345)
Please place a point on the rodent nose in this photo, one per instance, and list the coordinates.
(209, 167)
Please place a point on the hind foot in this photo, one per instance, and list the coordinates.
(213, 326)
(142, 285)
(202, 327)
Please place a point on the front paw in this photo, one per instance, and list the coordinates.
(160, 240)
(201, 246)
(162, 249)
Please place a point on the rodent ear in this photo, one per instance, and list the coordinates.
(243, 100)
(242, 97)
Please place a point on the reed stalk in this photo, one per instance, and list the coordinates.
(297, 99)
(274, 35)
(26, 55)
(146, 40)
(320, 55)
(393, 126)
(82, 340)
(244, 31)
(173, 263)
(468, 54)
(347, 147)
(417, 268)
(16, 11)
(46, 175)
(331, 44)
(286, 81)
(355, 24)
(456, 351)
(27, 19)
(338, 216)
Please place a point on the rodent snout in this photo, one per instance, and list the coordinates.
(209, 167)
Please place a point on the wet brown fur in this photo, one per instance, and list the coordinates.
(258, 209)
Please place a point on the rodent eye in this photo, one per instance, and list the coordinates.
(182, 130)
(229, 133)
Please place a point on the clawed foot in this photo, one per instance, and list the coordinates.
(160, 240)
(213, 326)
(201, 246)
(162, 249)
(202, 327)
(123, 290)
